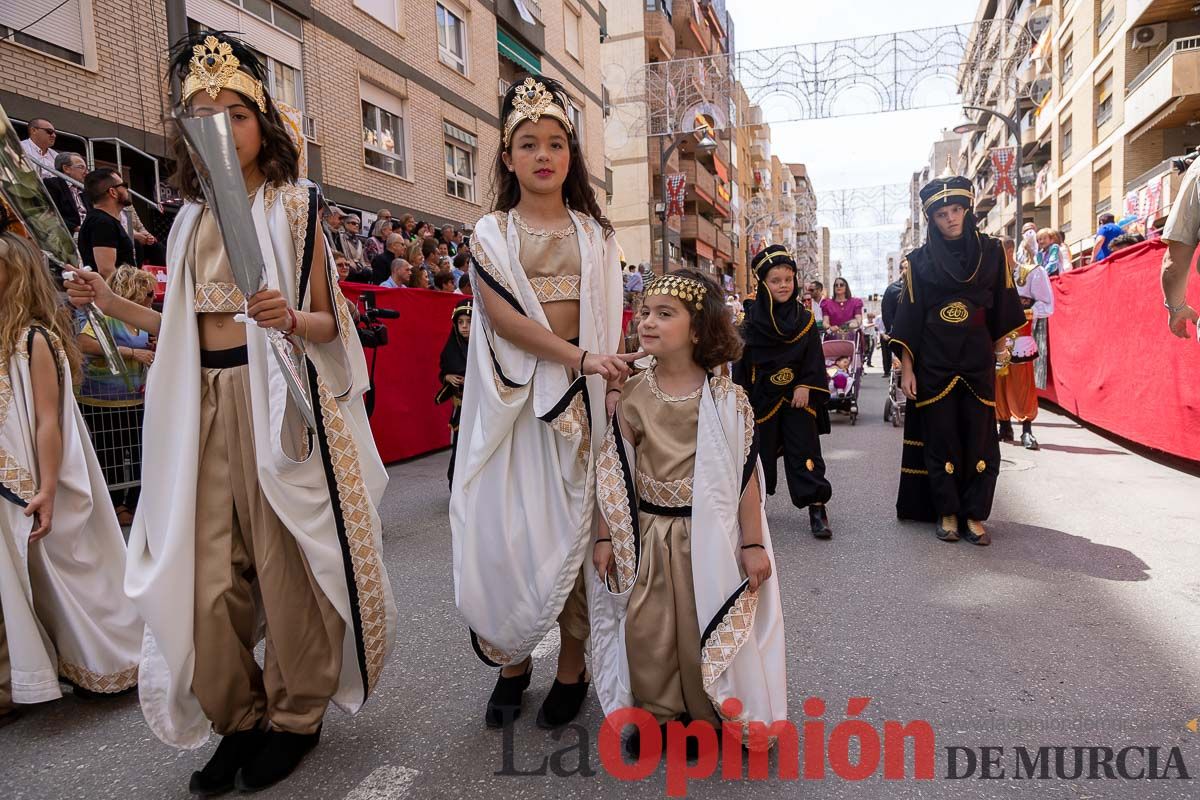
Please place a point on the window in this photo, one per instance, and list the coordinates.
(1104, 99)
(383, 131)
(575, 114)
(269, 12)
(285, 84)
(53, 27)
(572, 21)
(460, 164)
(1064, 212)
(385, 11)
(1067, 57)
(452, 39)
(1104, 186)
(1105, 16)
(1066, 137)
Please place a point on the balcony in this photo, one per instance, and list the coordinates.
(696, 228)
(1166, 94)
(701, 185)
(1138, 192)
(691, 32)
(660, 35)
(724, 245)
(1147, 12)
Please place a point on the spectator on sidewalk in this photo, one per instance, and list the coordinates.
(448, 240)
(381, 265)
(408, 227)
(377, 242)
(429, 257)
(1107, 230)
(103, 243)
(1181, 233)
(464, 286)
(69, 198)
(401, 275)
(39, 146)
(1052, 254)
(444, 282)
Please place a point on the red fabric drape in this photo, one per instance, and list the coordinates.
(1113, 362)
(406, 421)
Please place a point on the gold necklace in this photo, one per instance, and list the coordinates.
(652, 382)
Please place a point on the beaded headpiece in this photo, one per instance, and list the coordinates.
(214, 67)
(531, 102)
(685, 289)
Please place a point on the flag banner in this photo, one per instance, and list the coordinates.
(1004, 165)
(676, 188)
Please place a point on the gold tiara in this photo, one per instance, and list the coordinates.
(214, 67)
(531, 102)
(681, 287)
(946, 194)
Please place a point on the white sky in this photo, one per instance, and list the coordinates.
(854, 151)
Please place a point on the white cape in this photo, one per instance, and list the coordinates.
(326, 498)
(64, 611)
(522, 506)
(742, 652)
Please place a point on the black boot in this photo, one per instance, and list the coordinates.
(563, 702)
(235, 751)
(1027, 440)
(818, 521)
(281, 753)
(1006, 431)
(504, 705)
(633, 745)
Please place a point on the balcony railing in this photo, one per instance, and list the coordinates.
(1104, 206)
(1177, 46)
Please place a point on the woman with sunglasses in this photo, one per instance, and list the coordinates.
(843, 312)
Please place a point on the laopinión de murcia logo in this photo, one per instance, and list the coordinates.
(853, 749)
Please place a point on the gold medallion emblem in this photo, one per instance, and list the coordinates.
(981, 466)
(949, 468)
(809, 463)
(783, 377)
(955, 312)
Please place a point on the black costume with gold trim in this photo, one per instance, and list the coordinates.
(783, 351)
(453, 361)
(958, 300)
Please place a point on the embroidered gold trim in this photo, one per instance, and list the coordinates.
(720, 387)
(481, 258)
(615, 504)
(219, 298)
(652, 382)
(556, 287)
(573, 423)
(669, 494)
(13, 475)
(726, 640)
(505, 391)
(914, 443)
(357, 517)
(911, 471)
(95, 682)
(561, 233)
(783, 377)
(949, 388)
(493, 653)
(772, 412)
(955, 312)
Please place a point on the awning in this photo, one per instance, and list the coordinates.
(516, 52)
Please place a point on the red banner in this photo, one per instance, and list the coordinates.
(406, 422)
(1004, 162)
(1124, 372)
(676, 189)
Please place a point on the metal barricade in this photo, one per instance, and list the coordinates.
(115, 428)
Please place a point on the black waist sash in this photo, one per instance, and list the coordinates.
(664, 511)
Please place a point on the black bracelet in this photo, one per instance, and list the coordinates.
(748, 546)
(598, 541)
(610, 391)
(581, 358)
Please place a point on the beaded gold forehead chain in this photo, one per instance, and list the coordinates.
(683, 288)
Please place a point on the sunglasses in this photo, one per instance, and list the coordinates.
(50, 131)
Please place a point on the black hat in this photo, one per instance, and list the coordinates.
(942, 192)
(773, 255)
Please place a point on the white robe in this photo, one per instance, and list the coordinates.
(742, 653)
(522, 506)
(161, 570)
(64, 611)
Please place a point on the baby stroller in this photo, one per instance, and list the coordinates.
(844, 382)
(895, 403)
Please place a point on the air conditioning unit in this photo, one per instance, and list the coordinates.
(1149, 35)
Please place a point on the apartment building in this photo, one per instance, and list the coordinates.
(400, 98)
(943, 159)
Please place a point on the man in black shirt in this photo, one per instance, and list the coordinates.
(381, 265)
(68, 197)
(104, 244)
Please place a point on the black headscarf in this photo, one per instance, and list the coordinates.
(957, 261)
(770, 326)
(454, 354)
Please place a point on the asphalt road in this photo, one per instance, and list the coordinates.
(1079, 627)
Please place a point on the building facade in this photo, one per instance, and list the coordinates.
(399, 98)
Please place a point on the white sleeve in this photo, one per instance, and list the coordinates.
(1043, 295)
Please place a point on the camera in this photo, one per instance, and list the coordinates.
(371, 332)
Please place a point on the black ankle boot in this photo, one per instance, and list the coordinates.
(633, 745)
(1006, 431)
(563, 702)
(504, 705)
(281, 753)
(235, 751)
(818, 521)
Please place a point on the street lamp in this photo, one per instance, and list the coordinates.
(1014, 127)
(707, 144)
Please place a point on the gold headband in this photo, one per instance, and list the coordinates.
(531, 102)
(948, 193)
(681, 287)
(214, 67)
(760, 262)
(460, 310)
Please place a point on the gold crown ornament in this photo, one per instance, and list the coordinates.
(531, 102)
(681, 287)
(214, 67)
